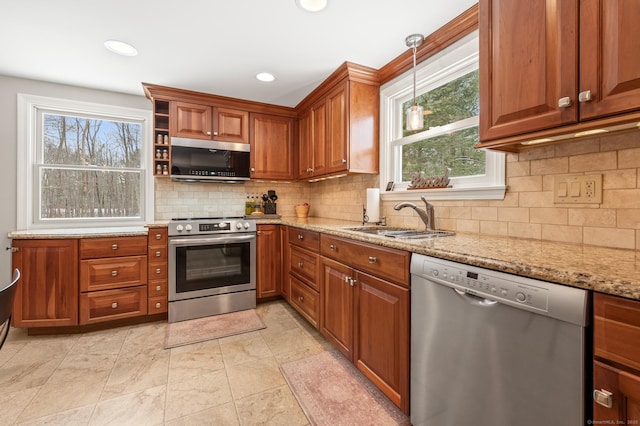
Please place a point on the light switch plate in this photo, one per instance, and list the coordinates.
(577, 189)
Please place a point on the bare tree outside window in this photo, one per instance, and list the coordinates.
(92, 168)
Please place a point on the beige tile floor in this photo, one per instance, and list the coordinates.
(123, 376)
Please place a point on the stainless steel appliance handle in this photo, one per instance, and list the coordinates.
(210, 240)
(475, 300)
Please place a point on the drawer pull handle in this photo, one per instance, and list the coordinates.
(332, 247)
(352, 282)
(300, 236)
(158, 236)
(300, 298)
(300, 264)
(114, 247)
(114, 273)
(114, 305)
(158, 270)
(603, 397)
(158, 288)
(158, 254)
(372, 259)
(158, 305)
(346, 279)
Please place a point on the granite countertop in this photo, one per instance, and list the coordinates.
(115, 231)
(606, 270)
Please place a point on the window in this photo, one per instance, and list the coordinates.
(83, 164)
(447, 88)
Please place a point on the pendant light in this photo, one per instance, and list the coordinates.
(415, 113)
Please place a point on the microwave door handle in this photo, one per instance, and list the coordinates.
(217, 240)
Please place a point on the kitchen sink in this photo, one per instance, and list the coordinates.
(403, 233)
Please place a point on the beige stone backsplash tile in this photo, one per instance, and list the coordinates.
(621, 199)
(460, 213)
(584, 146)
(537, 153)
(562, 233)
(548, 215)
(525, 230)
(629, 158)
(518, 168)
(620, 141)
(514, 214)
(550, 166)
(536, 199)
(610, 237)
(592, 217)
(620, 179)
(494, 228)
(628, 218)
(464, 225)
(484, 213)
(593, 162)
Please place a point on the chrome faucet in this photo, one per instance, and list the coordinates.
(426, 215)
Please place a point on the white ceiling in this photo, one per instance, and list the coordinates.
(213, 46)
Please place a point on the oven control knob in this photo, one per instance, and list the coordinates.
(179, 228)
(188, 227)
(246, 225)
(238, 225)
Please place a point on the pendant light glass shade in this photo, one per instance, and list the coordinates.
(415, 114)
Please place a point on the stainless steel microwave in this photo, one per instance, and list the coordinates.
(196, 160)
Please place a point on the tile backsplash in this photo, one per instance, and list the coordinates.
(527, 211)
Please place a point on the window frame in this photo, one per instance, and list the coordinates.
(29, 164)
(446, 65)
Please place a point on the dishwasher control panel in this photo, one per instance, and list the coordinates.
(485, 285)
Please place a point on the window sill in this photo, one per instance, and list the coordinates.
(476, 193)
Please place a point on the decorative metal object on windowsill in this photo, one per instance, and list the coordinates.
(427, 182)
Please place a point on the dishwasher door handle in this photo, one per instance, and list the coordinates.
(475, 300)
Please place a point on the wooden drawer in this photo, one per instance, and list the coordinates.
(157, 237)
(91, 248)
(158, 288)
(157, 305)
(108, 305)
(305, 264)
(617, 329)
(303, 238)
(157, 270)
(380, 261)
(157, 253)
(109, 273)
(305, 300)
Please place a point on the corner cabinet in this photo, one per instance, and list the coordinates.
(271, 147)
(616, 382)
(47, 293)
(555, 68)
(338, 130)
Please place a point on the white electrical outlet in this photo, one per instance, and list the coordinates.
(577, 189)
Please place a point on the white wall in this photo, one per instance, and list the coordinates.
(9, 88)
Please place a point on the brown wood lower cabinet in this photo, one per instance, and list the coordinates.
(107, 305)
(367, 317)
(268, 261)
(616, 382)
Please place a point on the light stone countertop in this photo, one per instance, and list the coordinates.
(115, 231)
(606, 270)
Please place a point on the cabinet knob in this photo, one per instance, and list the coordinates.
(372, 259)
(585, 96)
(300, 236)
(603, 397)
(158, 236)
(114, 273)
(158, 270)
(564, 102)
(208, 133)
(253, 169)
(301, 298)
(258, 232)
(344, 160)
(352, 283)
(114, 305)
(158, 254)
(332, 247)
(158, 305)
(114, 247)
(158, 288)
(346, 279)
(300, 264)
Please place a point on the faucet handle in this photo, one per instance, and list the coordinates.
(427, 205)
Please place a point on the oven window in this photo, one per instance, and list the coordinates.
(212, 266)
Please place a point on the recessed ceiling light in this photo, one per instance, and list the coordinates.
(312, 5)
(265, 76)
(121, 48)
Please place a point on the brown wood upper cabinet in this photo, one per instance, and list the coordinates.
(191, 120)
(552, 68)
(271, 147)
(338, 129)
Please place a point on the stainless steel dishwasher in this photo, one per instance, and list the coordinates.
(490, 348)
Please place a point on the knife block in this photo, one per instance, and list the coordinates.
(269, 208)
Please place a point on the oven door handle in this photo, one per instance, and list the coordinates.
(209, 240)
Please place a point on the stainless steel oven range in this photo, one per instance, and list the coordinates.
(212, 267)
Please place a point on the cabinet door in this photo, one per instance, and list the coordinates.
(47, 293)
(191, 120)
(609, 56)
(305, 145)
(319, 137)
(336, 305)
(285, 288)
(337, 136)
(268, 261)
(382, 336)
(271, 147)
(231, 125)
(528, 62)
(623, 405)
